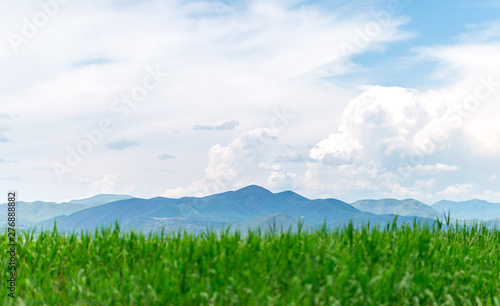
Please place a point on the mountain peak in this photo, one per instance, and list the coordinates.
(290, 195)
(255, 189)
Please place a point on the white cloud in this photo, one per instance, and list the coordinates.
(122, 144)
(291, 155)
(4, 128)
(281, 180)
(228, 165)
(485, 136)
(165, 156)
(108, 184)
(431, 169)
(390, 136)
(399, 191)
(378, 131)
(244, 60)
(278, 177)
(402, 141)
(456, 190)
(227, 125)
(481, 33)
(489, 195)
(336, 149)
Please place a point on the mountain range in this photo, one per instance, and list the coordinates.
(250, 207)
(472, 209)
(31, 213)
(224, 209)
(408, 207)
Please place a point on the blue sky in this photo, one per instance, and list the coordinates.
(433, 23)
(178, 98)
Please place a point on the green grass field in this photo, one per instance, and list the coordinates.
(407, 265)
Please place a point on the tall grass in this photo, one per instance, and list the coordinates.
(394, 265)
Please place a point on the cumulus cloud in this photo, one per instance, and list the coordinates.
(377, 130)
(107, 185)
(239, 58)
(165, 156)
(122, 144)
(456, 190)
(228, 164)
(484, 136)
(337, 149)
(430, 169)
(3, 129)
(387, 138)
(228, 125)
(203, 128)
(4, 138)
(243, 59)
(293, 156)
(278, 177)
(489, 195)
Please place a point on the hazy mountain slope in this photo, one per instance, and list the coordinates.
(228, 207)
(279, 221)
(408, 207)
(107, 214)
(100, 199)
(315, 212)
(30, 213)
(380, 220)
(147, 224)
(249, 207)
(472, 209)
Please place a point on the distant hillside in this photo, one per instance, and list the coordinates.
(100, 199)
(154, 224)
(248, 207)
(279, 221)
(31, 213)
(408, 207)
(381, 220)
(224, 208)
(472, 209)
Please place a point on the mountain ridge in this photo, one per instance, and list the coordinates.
(239, 206)
(406, 207)
(470, 209)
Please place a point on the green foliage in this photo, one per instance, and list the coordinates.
(410, 264)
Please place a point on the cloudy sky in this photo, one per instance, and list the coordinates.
(345, 99)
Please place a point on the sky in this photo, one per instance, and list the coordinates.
(331, 99)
